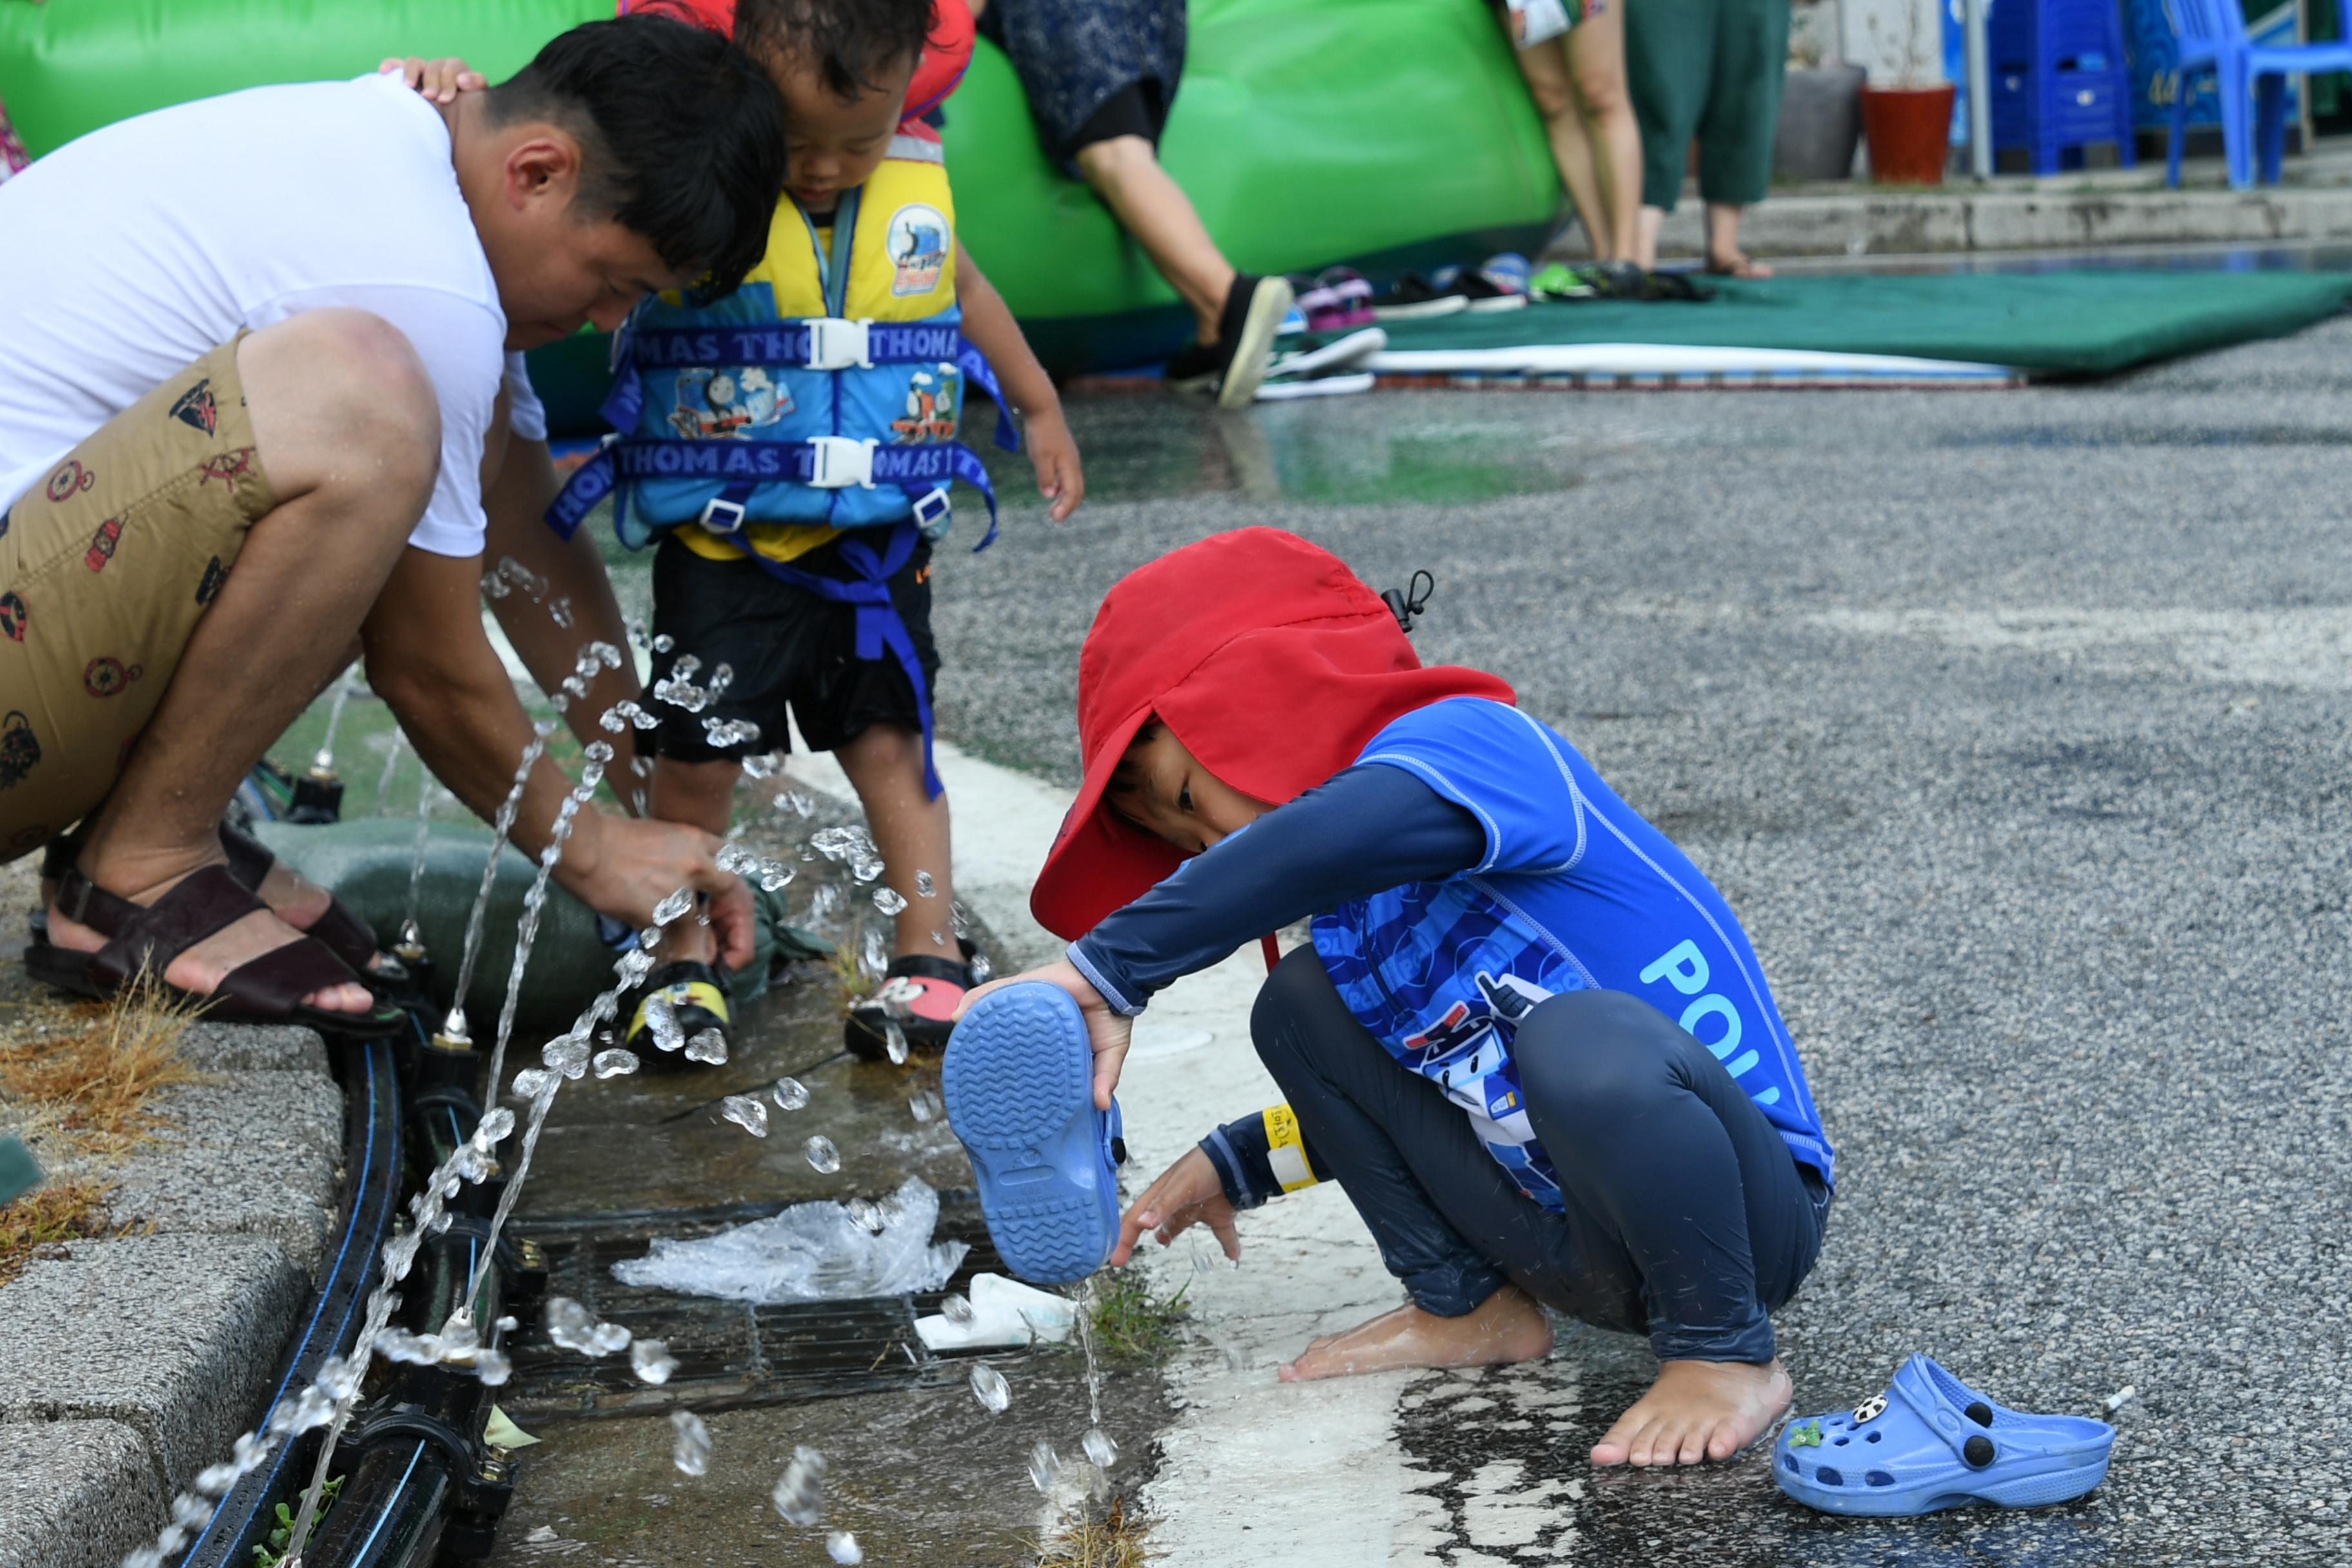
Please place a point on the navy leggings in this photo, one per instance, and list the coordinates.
(1687, 1219)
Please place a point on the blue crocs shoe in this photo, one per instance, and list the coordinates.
(1019, 1077)
(1932, 1442)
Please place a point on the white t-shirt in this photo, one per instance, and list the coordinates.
(127, 253)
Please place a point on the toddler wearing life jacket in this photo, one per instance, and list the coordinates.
(1529, 1040)
(793, 444)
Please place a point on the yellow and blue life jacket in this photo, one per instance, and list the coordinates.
(823, 393)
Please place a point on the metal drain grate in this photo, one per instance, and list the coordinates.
(730, 1354)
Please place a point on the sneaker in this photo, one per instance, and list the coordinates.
(1019, 1085)
(1498, 283)
(1353, 298)
(696, 996)
(920, 993)
(1235, 363)
(1339, 353)
(1415, 297)
(1318, 304)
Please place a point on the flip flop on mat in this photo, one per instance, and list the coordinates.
(1019, 1077)
(1932, 1442)
(268, 989)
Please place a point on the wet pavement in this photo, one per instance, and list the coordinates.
(918, 1470)
(2013, 724)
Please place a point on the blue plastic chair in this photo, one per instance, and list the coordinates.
(2212, 35)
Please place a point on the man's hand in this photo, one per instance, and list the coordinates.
(625, 867)
(1054, 452)
(1187, 1194)
(436, 81)
(1106, 1030)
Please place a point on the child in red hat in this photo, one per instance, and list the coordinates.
(1530, 1040)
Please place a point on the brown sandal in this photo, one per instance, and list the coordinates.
(268, 990)
(343, 933)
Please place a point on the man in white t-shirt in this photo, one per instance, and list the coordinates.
(249, 399)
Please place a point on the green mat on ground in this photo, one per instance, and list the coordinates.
(2091, 322)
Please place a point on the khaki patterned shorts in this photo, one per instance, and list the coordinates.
(105, 566)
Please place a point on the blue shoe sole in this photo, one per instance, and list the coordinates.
(1863, 1500)
(1019, 1080)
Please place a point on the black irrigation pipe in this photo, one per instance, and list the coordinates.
(371, 1192)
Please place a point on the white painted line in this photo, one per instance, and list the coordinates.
(1305, 1475)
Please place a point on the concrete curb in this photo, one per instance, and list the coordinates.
(1867, 220)
(128, 1365)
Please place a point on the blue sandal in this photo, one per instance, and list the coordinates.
(1019, 1077)
(1931, 1442)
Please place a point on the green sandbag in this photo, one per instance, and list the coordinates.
(1388, 134)
(366, 864)
(2087, 323)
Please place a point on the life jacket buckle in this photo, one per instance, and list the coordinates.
(931, 512)
(721, 516)
(839, 461)
(838, 343)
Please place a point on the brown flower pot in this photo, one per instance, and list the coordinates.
(1909, 129)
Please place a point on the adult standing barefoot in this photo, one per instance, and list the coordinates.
(1713, 69)
(1578, 81)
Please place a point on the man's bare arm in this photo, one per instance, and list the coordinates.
(432, 662)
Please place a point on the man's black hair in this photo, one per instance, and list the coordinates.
(854, 46)
(681, 137)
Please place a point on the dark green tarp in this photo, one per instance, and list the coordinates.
(2089, 322)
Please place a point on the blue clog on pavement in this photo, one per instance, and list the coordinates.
(1931, 1442)
(1019, 1081)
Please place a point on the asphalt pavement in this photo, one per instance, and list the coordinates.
(2013, 724)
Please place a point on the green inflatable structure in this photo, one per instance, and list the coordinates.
(1384, 133)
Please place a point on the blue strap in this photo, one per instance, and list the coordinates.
(879, 627)
(742, 465)
(976, 371)
(788, 344)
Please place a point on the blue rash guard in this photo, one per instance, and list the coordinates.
(1447, 911)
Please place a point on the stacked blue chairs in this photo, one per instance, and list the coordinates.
(2213, 37)
(2059, 80)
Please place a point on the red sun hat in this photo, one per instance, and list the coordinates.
(1271, 661)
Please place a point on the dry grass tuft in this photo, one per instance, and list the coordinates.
(1117, 1539)
(851, 984)
(58, 1212)
(98, 1064)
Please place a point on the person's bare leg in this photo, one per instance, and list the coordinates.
(1645, 240)
(1506, 1327)
(1546, 68)
(1596, 63)
(884, 763)
(1125, 173)
(1722, 252)
(701, 794)
(347, 426)
(1697, 1410)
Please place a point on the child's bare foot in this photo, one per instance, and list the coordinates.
(1697, 1410)
(1507, 1327)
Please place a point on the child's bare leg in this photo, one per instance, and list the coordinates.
(1697, 1410)
(701, 794)
(885, 765)
(1506, 1327)
(1125, 173)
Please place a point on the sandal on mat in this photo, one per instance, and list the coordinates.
(1019, 1077)
(268, 990)
(1931, 1442)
